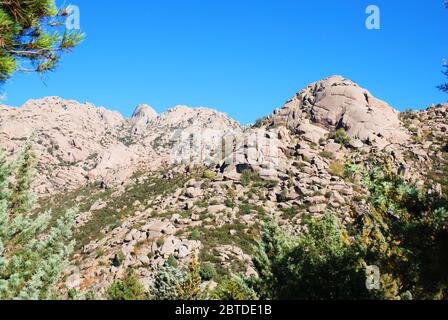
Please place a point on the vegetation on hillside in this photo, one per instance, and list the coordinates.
(402, 232)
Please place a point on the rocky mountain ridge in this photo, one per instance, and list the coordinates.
(194, 182)
(80, 143)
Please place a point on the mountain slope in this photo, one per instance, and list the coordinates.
(194, 182)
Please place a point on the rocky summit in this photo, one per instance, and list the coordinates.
(335, 103)
(193, 182)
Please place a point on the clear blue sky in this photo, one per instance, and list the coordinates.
(245, 57)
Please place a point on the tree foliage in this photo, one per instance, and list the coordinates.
(32, 255)
(401, 230)
(172, 283)
(166, 283)
(32, 36)
(128, 289)
(191, 288)
(340, 136)
(319, 264)
(234, 288)
(406, 236)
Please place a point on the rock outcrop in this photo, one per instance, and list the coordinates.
(141, 117)
(81, 143)
(335, 103)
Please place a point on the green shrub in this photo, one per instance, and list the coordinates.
(248, 176)
(34, 248)
(283, 196)
(234, 289)
(340, 136)
(209, 174)
(127, 289)
(320, 264)
(229, 203)
(171, 262)
(208, 272)
(245, 209)
(337, 168)
(166, 283)
(327, 155)
(195, 235)
(191, 288)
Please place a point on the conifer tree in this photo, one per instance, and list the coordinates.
(166, 282)
(32, 254)
(234, 288)
(32, 36)
(319, 264)
(191, 288)
(128, 289)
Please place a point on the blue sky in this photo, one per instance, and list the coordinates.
(245, 57)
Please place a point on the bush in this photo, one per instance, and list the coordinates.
(171, 262)
(282, 197)
(337, 168)
(209, 174)
(191, 288)
(234, 289)
(195, 235)
(33, 36)
(127, 289)
(341, 137)
(320, 264)
(327, 155)
(406, 236)
(166, 283)
(248, 176)
(229, 203)
(208, 272)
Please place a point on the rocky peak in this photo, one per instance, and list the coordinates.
(144, 111)
(336, 102)
(181, 117)
(142, 115)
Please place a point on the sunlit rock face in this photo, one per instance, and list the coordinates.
(335, 103)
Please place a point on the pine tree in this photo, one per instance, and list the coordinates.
(128, 289)
(32, 36)
(165, 286)
(270, 251)
(32, 254)
(405, 234)
(319, 264)
(22, 199)
(191, 288)
(234, 288)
